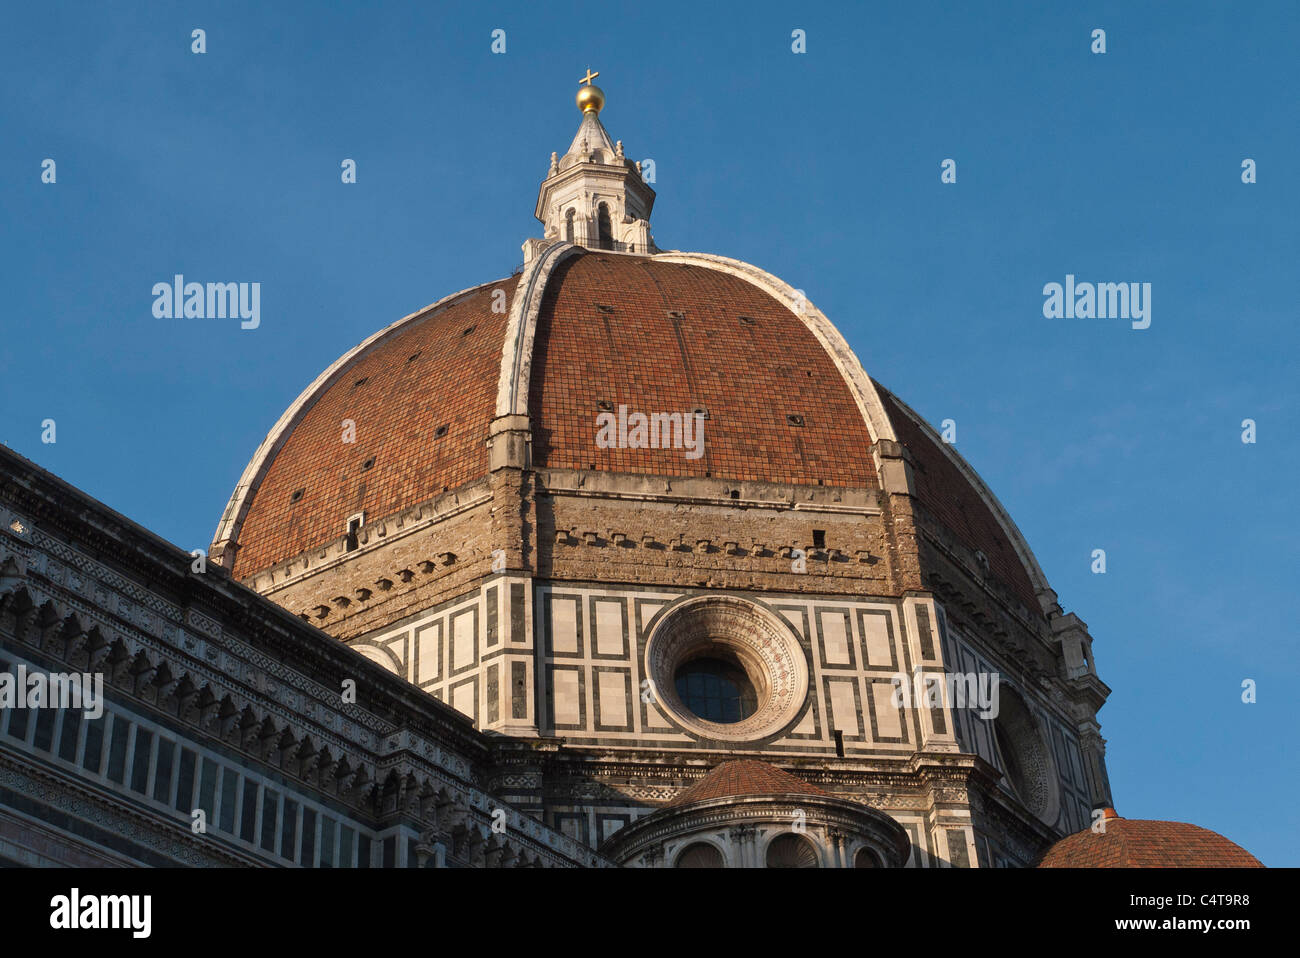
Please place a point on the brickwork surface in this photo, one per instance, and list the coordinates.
(440, 370)
(1148, 844)
(744, 777)
(749, 376)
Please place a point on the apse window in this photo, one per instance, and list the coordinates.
(791, 851)
(716, 690)
(700, 855)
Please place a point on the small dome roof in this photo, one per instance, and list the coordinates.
(744, 777)
(1138, 843)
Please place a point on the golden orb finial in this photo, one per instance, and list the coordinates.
(590, 97)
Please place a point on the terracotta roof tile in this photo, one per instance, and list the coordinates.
(744, 777)
(681, 336)
(1137, 843)
(439, 370)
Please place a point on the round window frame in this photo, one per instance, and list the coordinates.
(761, 642)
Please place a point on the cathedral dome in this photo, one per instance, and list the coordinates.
(612, 332)
(408, 414)
(602, 330)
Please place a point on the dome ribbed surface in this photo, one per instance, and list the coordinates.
(674, 337)
(438, 370)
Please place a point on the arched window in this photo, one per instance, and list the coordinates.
(699, 855)
(791, 851)
(604, 231)
(568, 227)
(865, 858)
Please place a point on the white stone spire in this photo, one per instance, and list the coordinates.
(593, 195)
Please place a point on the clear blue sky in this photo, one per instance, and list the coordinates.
(823, 168)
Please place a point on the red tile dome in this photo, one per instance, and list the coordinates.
(578, 334)
(741, 778)
(611, 330)
(1135, 843)
(421, 395)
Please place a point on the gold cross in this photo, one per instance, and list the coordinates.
(589, 77)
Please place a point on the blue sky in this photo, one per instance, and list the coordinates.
(823, 168)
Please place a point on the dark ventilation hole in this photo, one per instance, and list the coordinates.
(354, 525)
(700, 411)
(469, 330)
(440, 432)
(819, 538)
(676, 314)
(360, 382)
(794, 420)
(368, 463)
(808, 373)
(748, 321)
(735, 493)
(605, 405)
(413, 357)
(839, 742)
(296, 495)
(604, 309)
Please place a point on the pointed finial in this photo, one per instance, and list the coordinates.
(590, 97)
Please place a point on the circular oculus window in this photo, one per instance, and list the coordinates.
(727, 669)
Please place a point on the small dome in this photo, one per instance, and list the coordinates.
(1136, 843)
(744, 777)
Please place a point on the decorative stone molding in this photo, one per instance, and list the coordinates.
(757, 639)
(743, 828)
